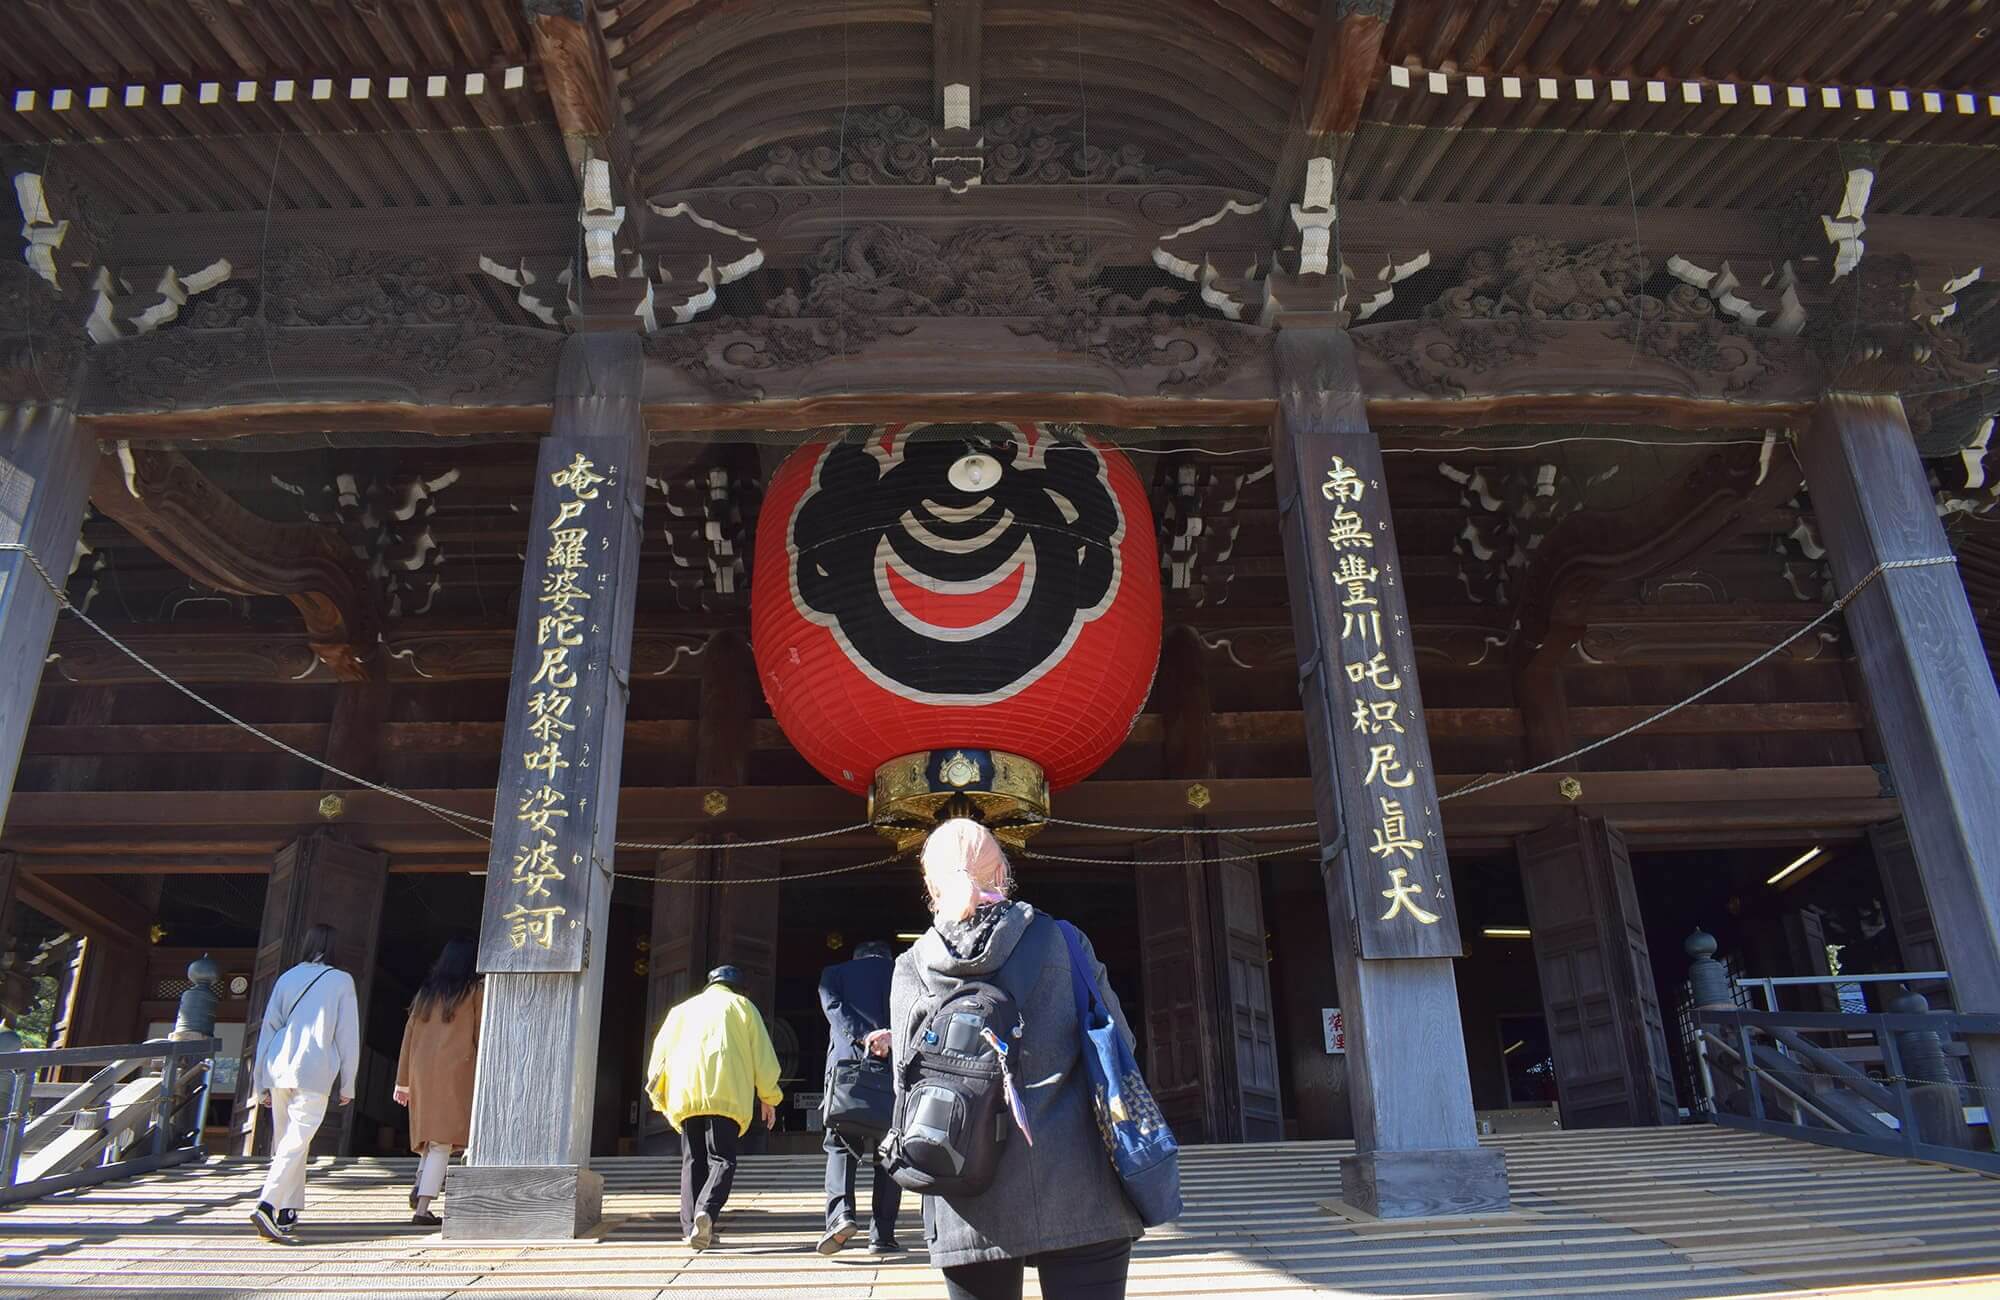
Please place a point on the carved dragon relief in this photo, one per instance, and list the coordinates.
(878, 280)
(1513, 299)
(893, 146)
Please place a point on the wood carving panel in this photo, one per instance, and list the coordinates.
(893, 146)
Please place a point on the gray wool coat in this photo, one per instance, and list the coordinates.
(1061, 1191)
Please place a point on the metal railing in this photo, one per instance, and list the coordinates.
(1769, 985)
(1762, 1071)
(142, 1108)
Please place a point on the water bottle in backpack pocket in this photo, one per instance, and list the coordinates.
(951, 1112)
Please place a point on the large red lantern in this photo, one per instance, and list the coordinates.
(953, 596)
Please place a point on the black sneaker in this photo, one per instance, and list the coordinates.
(837, 1236)
(270, 1225)
(889, 1247)
(425, 1219)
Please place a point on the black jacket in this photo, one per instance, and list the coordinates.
(855, 996)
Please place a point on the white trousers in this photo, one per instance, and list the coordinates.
(430, 1170)
(295, 1117)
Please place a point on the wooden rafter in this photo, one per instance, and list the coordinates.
(178, 512)
(569, 45)
(955, 41)
(1343, 65)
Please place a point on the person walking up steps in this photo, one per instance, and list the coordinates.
(1053, 1201)
(712, 1054)
(309, 1044)
(855, 996)
(435, 1070)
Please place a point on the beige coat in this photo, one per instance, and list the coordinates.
(436, 1066)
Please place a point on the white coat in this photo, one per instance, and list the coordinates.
(311, 1037)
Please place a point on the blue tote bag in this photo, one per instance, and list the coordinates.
(1142, 1147)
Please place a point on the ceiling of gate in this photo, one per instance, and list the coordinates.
(1208, 91)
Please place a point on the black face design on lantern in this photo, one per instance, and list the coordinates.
(956, 592)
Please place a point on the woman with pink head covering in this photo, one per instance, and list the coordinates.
(1055, 1202)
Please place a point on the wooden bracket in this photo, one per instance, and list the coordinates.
(1723, 495)
(177, 511)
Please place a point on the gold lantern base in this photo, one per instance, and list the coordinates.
(1006, 793)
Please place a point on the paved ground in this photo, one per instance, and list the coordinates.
(1653, 1213)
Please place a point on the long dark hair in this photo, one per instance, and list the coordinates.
(452, 977)
(319, 944)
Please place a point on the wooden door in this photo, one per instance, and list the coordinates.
(1250, 1055)
(1179, 1026)
(1606, 1031)
(1905, 900)
(677, 952)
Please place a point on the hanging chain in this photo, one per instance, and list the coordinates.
(1581, 750)
(470, 823)
(479, 827)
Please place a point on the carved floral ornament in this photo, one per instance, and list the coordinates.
(893, 146)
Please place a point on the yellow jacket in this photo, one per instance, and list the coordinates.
(710, 1057)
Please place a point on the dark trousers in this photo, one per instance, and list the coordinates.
(1095, 1272)
(708, 1166)
(884, 1199)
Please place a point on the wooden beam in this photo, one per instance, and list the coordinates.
(1659, 808)
(185, 519)
(1930, 686)
(1124, 224)
(569, 46)
(87, 904)
(678, 735)
(708, 380)
(956, 28)
(41, 819)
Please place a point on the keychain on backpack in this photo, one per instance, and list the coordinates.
(1015, 1105)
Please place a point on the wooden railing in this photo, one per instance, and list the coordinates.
(140, 1109)
(1764, 1071)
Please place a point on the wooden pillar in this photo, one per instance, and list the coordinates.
(1929, 683)
(548, 881)
(1392, 907)
(9, 865)
(1606, 1032)
(45, 467)
(316, 879)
